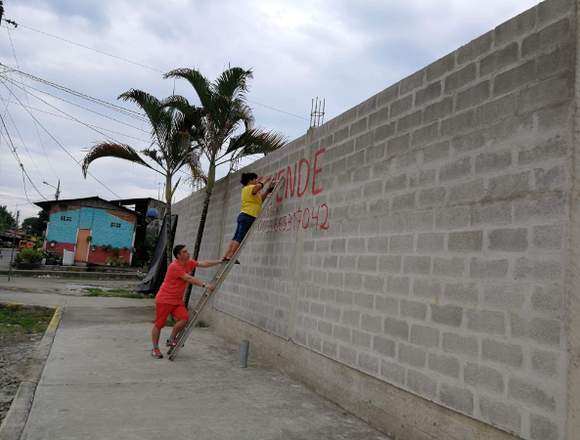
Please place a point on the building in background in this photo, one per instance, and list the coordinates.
(97, 231)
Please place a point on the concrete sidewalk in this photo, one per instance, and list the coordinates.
(101, 383)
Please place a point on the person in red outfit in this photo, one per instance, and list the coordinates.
(169, 299)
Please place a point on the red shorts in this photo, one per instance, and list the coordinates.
(162, 312)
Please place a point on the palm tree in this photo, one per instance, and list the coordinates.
(175, 125)
(228, 131)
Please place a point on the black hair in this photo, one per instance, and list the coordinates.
(247, 178)
(177, 249)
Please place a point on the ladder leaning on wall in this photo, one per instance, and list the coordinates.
(222, 273)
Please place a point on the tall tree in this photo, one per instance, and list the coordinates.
(228, 132)
(35, 225)
(7, 220)
(175, 124)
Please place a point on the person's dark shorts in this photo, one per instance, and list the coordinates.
(244, 223)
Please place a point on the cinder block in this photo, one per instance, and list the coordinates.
(341, 333)
(420, 265)
(485, 321)
(374, 283)
(431, 242)
(331, 313)
(330, 349)
(343, 297)
(388, 95)
(421, 384)
(497, 111)
(426, 288)
(509, 186)
(384, 346)
(401, 106)
(317, 309)
(424, 135)
(396, 183)
(368, 363)
(379, 244)
(443, 364)
(540, 330)
(408, 122)
(493, 161)
(364, 300)
(448, 267)
(338, 245)
(504, 296)
(500, 414)
(396, 328)
(458, 123)
(428, 93)
(347, 355)
(548, 92)
(418, 220)
(455, 170)
(549, 36)
(424, 336)
(452, 217)
(465, 241)
(411, 355)
(508, 240)
(390, 263)
(475, 48)
(440, 67)
(412, 82)
(372, 324)
(341, 135)
(504, 353)
(446, 315)
(549, 300)
(437, 151)
(373, 189)
(491, 213)
(356, 245)
(499, 59)
(530, 393)
(351, 317)
(486, 268)
(384, 131)
(393, 372)
(432, 197)
(514, 78)
(470, 141)
(542, 428)
(541, 207)
(413, 309)
(468, 192)
(378, 117)
(543, 270)
(467, 293)
(347, 262)
(401, 243)
(367, 263)
(438, 110)
(550, 179)
(330, 262)
(388, 305)
(473, 96)
(457, 398)
(481, 376)
(462, 345)
(515, 28)
(545, 363)
(553, 148)
(460, 78)
(325, 328)
(398, 285)
(560, 60)
(404, 201)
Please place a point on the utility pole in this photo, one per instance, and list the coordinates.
(13, 246)
(57, 187)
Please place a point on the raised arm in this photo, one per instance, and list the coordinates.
(209, 263)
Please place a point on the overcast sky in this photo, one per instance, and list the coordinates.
(342, 50)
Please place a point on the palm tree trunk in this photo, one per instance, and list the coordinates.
(202, 220)
(169, 229)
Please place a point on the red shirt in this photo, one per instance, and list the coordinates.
(171, 291)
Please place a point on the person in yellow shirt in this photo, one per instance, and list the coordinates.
(252, 197)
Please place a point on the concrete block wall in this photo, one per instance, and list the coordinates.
(423, 236)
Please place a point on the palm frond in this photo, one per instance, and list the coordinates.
(109, 149)
(199, 83)
(152, 107)
(232, 83)
(256, 141)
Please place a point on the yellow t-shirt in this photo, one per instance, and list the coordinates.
(251, 203)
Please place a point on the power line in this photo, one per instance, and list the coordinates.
(144, 66)
(62, 147)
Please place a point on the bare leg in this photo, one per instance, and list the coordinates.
(155, 333)
(179, 325)
(232, 248)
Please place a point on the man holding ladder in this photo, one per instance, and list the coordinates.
(169, 299)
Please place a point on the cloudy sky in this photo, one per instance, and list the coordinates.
(342, 50)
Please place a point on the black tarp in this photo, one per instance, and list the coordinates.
(152, 281)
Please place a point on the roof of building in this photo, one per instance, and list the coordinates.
(48, 203)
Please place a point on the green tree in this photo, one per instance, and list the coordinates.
(34, 225)
(174, 124)
(228, 132)
(7, 221)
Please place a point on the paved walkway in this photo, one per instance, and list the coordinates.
(100, 383)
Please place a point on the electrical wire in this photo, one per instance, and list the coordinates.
(56, 141)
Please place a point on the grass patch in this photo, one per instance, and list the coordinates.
(112, 293)
(22, 319)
